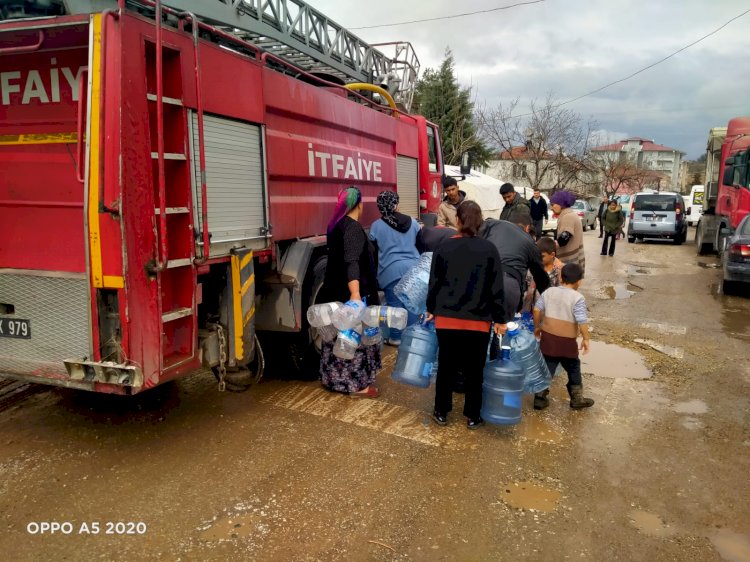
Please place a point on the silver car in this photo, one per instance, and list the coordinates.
(587, 213)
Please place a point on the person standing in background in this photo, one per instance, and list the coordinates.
(394, 236)
(350, 275)
(613, 221)
(600, 214)
(452, 198)
(514, 202)
(539, 213)
(569, 235)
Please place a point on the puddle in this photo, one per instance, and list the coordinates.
(662, 328)
(735, 314)
(650, 524)
(691, 407)
(732, 546)
(528, 495)
(705, 265)
(232, 527)
(613, 361)
(536, 428)
(620, 291)
(692, 424)
(639, 270)
(675, 352)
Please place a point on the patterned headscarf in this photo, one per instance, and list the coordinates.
(347, 200)
(387, 202)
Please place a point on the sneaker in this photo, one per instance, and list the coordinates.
(475, 424)
(440, 419)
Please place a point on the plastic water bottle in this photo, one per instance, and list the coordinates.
(371, 334)
(328, 333)
(385, 316)
(417, 356)
(412, 289)
(347, 343)
(502, 390)
(524, 350)
(348, 316)
(322, 314)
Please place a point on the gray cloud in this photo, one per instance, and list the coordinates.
(572, 47)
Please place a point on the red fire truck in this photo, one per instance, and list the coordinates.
(727, 197)
(167, 171)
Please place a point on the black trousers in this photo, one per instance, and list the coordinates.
(601, 226)
(612, 238)
(572, 367)
(464, 351)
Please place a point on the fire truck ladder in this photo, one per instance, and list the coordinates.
(294, 31)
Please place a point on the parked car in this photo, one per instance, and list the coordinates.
(587, 213)
(550, 224)
(695, 205)
(657, 214)
(735, 257)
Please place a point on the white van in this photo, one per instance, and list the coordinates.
(695, 206)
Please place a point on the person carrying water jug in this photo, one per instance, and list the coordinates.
(559, 317)
(350, 276)
(465, 295)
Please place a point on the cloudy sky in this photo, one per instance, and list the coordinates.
(571, 47)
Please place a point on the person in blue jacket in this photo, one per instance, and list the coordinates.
(394, 235)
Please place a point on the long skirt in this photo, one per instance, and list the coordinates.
(349, 375)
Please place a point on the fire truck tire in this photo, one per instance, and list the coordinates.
(305, 347)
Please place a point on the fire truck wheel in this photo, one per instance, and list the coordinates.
(305, 346)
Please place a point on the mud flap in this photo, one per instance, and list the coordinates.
(241, 309)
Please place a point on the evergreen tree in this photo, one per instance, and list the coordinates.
(441, 100)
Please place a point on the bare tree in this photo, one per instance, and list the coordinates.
(549, 143)
(611, 175)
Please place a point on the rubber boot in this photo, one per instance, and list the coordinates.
(540, 400)
(577, 400)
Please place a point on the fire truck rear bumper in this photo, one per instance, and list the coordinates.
(83, 375)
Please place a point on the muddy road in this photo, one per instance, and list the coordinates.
(656, 470)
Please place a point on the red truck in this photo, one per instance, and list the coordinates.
(165, 187)
(727, 196)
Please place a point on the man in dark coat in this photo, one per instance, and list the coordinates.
(514, 203)
(600, 214)
(538, 206)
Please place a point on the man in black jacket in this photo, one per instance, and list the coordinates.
(600, 214)
(538, 206)
(518, 254)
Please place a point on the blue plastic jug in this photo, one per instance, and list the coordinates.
(417, 355)
(502, 390)
(411, 290)
(524, 351)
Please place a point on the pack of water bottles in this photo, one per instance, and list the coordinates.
(525, 352)
(351, 324)
(411, 290)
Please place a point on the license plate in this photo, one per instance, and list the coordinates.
(655, 219)
(15, 328)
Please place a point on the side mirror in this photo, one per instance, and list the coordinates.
(466, 159)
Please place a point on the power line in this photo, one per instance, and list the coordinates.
(669, 56)
(449, 17)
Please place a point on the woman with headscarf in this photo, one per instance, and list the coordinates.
(350, 275)
(395, 236)
(569, 233)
